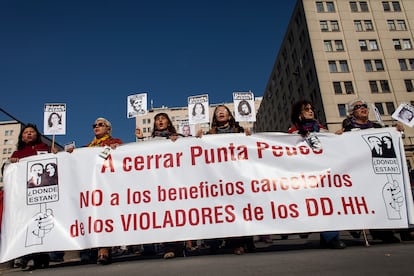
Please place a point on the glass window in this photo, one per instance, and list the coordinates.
(396, 6)
(335, 26)
(358, 25)
(380, 108)
(332, 66)
(411, 62)
(363, 45)
(407, 44)
(344, 66)
(324, 26)
(397, 44)
(368, 25)
(373, 86)
(353, 6)
(342, 110)
(337, 87)
(373, 45)
(379, 65)
(409, 85)
(330, 6)
(386, 6)
(391, 25)
(390, 107)
(339, 45)
(368, 65)
(319, 7)
(364, 6)
(403, 65)
(401, 25)
(328, 46)
(349, 88)
(385, 86)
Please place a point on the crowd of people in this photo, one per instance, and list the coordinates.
(303, 122)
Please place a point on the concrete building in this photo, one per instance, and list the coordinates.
(336, 51)
(179, 115)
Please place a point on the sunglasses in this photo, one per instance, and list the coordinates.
(98, 125)
(358, 106)
(309, 109)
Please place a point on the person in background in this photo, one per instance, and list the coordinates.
(29, 144)
(304, 123)
(358, 119)
(164, 129)
(224, 122)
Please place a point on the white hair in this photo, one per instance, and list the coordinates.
(352, 103)
(107, 123)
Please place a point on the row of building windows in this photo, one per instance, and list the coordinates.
(7, 150)
(376, 86)
(8, 132)
(374, 65)
(367, 45)
(362, 25)
(358, 6)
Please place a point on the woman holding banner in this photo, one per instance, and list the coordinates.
(305, 124)
(224, 122)
(29, 144)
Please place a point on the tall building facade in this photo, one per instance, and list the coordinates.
(336, 51)
(179, 115)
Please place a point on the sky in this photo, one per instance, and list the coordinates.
(92, 54)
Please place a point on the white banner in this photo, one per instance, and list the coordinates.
(197, 188)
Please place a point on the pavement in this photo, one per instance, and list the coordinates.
(306, 247)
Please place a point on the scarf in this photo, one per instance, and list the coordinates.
(354, 124)
(163, 133)
(98, 142)
(308, 125)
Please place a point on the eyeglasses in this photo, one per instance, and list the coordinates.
(98, 125)
(358, 106)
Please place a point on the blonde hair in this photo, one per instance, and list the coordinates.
(107, 123)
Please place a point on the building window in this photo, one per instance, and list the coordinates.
(332, 66)
(401, 25)
(380, 108)
(337, 87)
(396, 6)
(374, 86)
(386, 6)
(363, 45)
(403, 65)
(385, 86)
(342, 110)
(319, 7)
(379, 66)
(358, 25)
(390, 107)
(327, 44)
(404, 44)
(339, 45)
(360, 6)
(349, 88)
(324, 26)
(409, 85)
(368, 25)
(391, 25)
(373, 45)
(344, 66)
(330, 6)
(407, 44)
(334, 26)
(368, 65)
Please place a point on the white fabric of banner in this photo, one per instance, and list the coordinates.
(214, 186)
